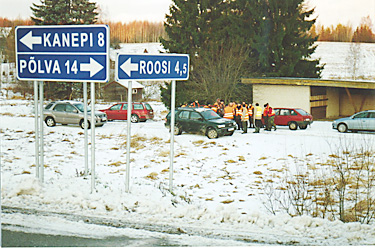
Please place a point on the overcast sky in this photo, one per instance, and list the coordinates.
(330, 12)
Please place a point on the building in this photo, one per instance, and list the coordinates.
(323, 98)
(118, 91)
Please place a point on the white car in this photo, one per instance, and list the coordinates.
(362, 121)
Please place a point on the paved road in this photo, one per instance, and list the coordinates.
(22, 239)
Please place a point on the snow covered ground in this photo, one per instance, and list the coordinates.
(217, 192)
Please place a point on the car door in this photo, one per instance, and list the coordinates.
(283, 117)
(71, 115)
(196, 122)
(371, 122)
(359, 121)
(59, 112)
(113, 113)
(183, 120)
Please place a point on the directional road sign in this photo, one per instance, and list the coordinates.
(73, 53)
(147, 67)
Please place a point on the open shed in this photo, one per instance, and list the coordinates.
(118, 91)
(323, 98)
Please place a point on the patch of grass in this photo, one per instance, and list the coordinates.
(198, 142)
(152, 176)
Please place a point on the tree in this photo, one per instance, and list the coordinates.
(282, 40)
(364, 33)
(273, 33)
(64, 12)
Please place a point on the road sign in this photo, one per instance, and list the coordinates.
(70, 53)
(147, 67)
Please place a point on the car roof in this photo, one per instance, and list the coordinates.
(286, 108)
(67, 101)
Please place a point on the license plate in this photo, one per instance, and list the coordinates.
(231, 129)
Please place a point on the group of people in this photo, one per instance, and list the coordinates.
(245, 115)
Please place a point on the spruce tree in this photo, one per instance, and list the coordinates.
(64, 12)
(273, 33)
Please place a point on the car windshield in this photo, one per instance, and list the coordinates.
(80, 107)
(210, 115)
(302, 112)
(148, 107)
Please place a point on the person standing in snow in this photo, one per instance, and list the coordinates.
(244, 117)
(271, 119)
(237, 117)
(258, 117)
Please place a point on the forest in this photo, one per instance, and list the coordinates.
(145, 31)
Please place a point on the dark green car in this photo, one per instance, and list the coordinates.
(201, 120)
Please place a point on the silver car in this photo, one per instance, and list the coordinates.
(70, 112)
(362, 121)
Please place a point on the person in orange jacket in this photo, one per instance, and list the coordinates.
(265, 115)
(228, 112)
(237, 117)
(271, 119)
(250, 109)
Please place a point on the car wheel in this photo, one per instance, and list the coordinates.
(342, 128)
(293, 125)
(303, 126)
(134, 118)
(82, 125)
(177, 130)
(50, 122)
(212, 133)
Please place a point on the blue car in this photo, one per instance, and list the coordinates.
(362, 121)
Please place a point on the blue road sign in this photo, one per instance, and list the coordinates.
(71, 53)
(147, 67)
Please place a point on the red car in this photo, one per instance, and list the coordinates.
(119, 111)
(292, 117)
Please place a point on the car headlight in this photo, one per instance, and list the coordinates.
(221, 126)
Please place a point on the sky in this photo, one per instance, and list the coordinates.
(329, 12)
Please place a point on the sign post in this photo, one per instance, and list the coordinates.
(151, 67)
(66, 53)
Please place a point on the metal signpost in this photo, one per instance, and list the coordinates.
(67, 53)
(147, 67)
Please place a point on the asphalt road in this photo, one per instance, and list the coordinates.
(22, 239)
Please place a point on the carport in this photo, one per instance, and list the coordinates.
(323, 98)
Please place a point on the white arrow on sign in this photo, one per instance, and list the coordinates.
(93, 67)
(128, 67)
(29, 40)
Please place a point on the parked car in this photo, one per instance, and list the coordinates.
(70, 112)
(292, 117)
(201, 120)
(362, 121)
(140, 112)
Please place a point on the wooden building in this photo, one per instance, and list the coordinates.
(118, 91)
(322, 98)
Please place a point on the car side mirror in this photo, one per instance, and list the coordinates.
(75, 111)
(200, 119)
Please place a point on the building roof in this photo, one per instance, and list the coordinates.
(135, 84)
(311, 82)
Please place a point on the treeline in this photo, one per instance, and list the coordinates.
(136, 31)
(132, 32)
(345, 33)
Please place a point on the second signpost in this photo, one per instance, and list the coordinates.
(148, 67)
